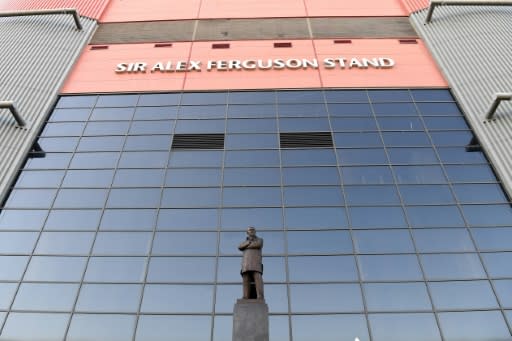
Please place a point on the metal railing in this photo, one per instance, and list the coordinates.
(71, 11)
(435, 3)
(10, 105)
(497, 100)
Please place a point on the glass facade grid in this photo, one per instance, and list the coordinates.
(393, 228)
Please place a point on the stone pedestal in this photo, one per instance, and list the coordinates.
(250, 320)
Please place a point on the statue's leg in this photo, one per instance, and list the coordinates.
(246, 285)
(258, 281)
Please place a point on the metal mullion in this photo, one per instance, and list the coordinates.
(466, 223)
(98, 228)
(403, 205)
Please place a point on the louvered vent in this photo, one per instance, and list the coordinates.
(306, 140)
(198, 141)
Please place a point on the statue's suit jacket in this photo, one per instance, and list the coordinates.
(252, 256)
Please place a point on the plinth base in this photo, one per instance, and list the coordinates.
(250, 320)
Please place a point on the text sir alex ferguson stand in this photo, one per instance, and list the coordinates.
(252, 267)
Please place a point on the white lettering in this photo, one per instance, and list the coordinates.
(158, 67)
(386, 63)
(181, 66)
(371, 62)
(329, 63)
(235, 64)
(195, 66)
(279, 64)
(310, 63)
(211, 65)
(249, 64)
(120, 68)
(356, 63)
(266, 66)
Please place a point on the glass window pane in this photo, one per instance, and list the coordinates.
(211, 158)
(139, 178)
(151, 127)
(173, 328)
(7, 291)
(367, 175)
(389, 267)
(319, 242)
(184, 219)
(115, 269)
(460, 155)
(304, 124)
(452, 266)
(497, 264)
(389, 95)
(368, 195)
(22, 219)
(156, 113)
(252, 196)
(416, 156)
(302, 110)
(352, 109)
(46, 297)
(377, 217)
(62, 269)
(177, 299)
(488, 215)
(325, 298)
(253, 158)
(80, 198)
(39, 179)
(88, 178)
(159, 99)
(181, 269)
(404, 327)
(237, 218)
(58, 144)
(227, 295)
(463, 295)
(421, 95)
(78, 220)
(426, 194)
(346, 96)
(29, 326)
(252, 176)
(309, 217)
(360, 139)
(12, 267)
(203, 98)
(109, 298)
(394, 109)
(322, 268)
(143, 159)
(190, 197)
(251, 125)
(101, 327)
(122, 243)
(330, 327)
(477, 326)
(470, 173)
(306, 157)
(200, 126)
(154, 142)
(397, 297)
(434, 216)
(441, 109)
(311, 176)
(134, 219)
(100, 143)
(31, 198)
(239, 97)
(179, 243)
(294, 96)
(503, 290)
(70, 115)
(94, 160)
(383, 241)
(17, 242)
(445, 123)
(443, 240)
(400, 123)
(134, 198)
(73, 243)
(480, 193)
(112, 114)
(406, 139)
(117, 100)
(419, 174)
(252, 111)
(106, 128)
(49, 161)
(76, 101)
(493, 239)
(190, 177)
(353, 124)
(313, 196)
(375, 156)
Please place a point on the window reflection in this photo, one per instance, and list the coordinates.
(329, 327)
(101, 327)
(404, 327)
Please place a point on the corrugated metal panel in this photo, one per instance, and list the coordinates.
(36, 53)
(472, 46)
(89, 8)
(412, 6)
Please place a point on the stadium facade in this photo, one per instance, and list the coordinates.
(367, 141)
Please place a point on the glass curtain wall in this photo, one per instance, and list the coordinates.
(399, 231)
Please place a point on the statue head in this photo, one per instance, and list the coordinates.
(251, 231)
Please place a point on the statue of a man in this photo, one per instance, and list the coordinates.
(252, 267)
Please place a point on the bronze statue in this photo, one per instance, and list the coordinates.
(252, 267)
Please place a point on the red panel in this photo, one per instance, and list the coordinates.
(413, 65)
(95, 71)
(252, 8)
(90, 8)
(148, 10)
(354, 8)
(415, 5)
